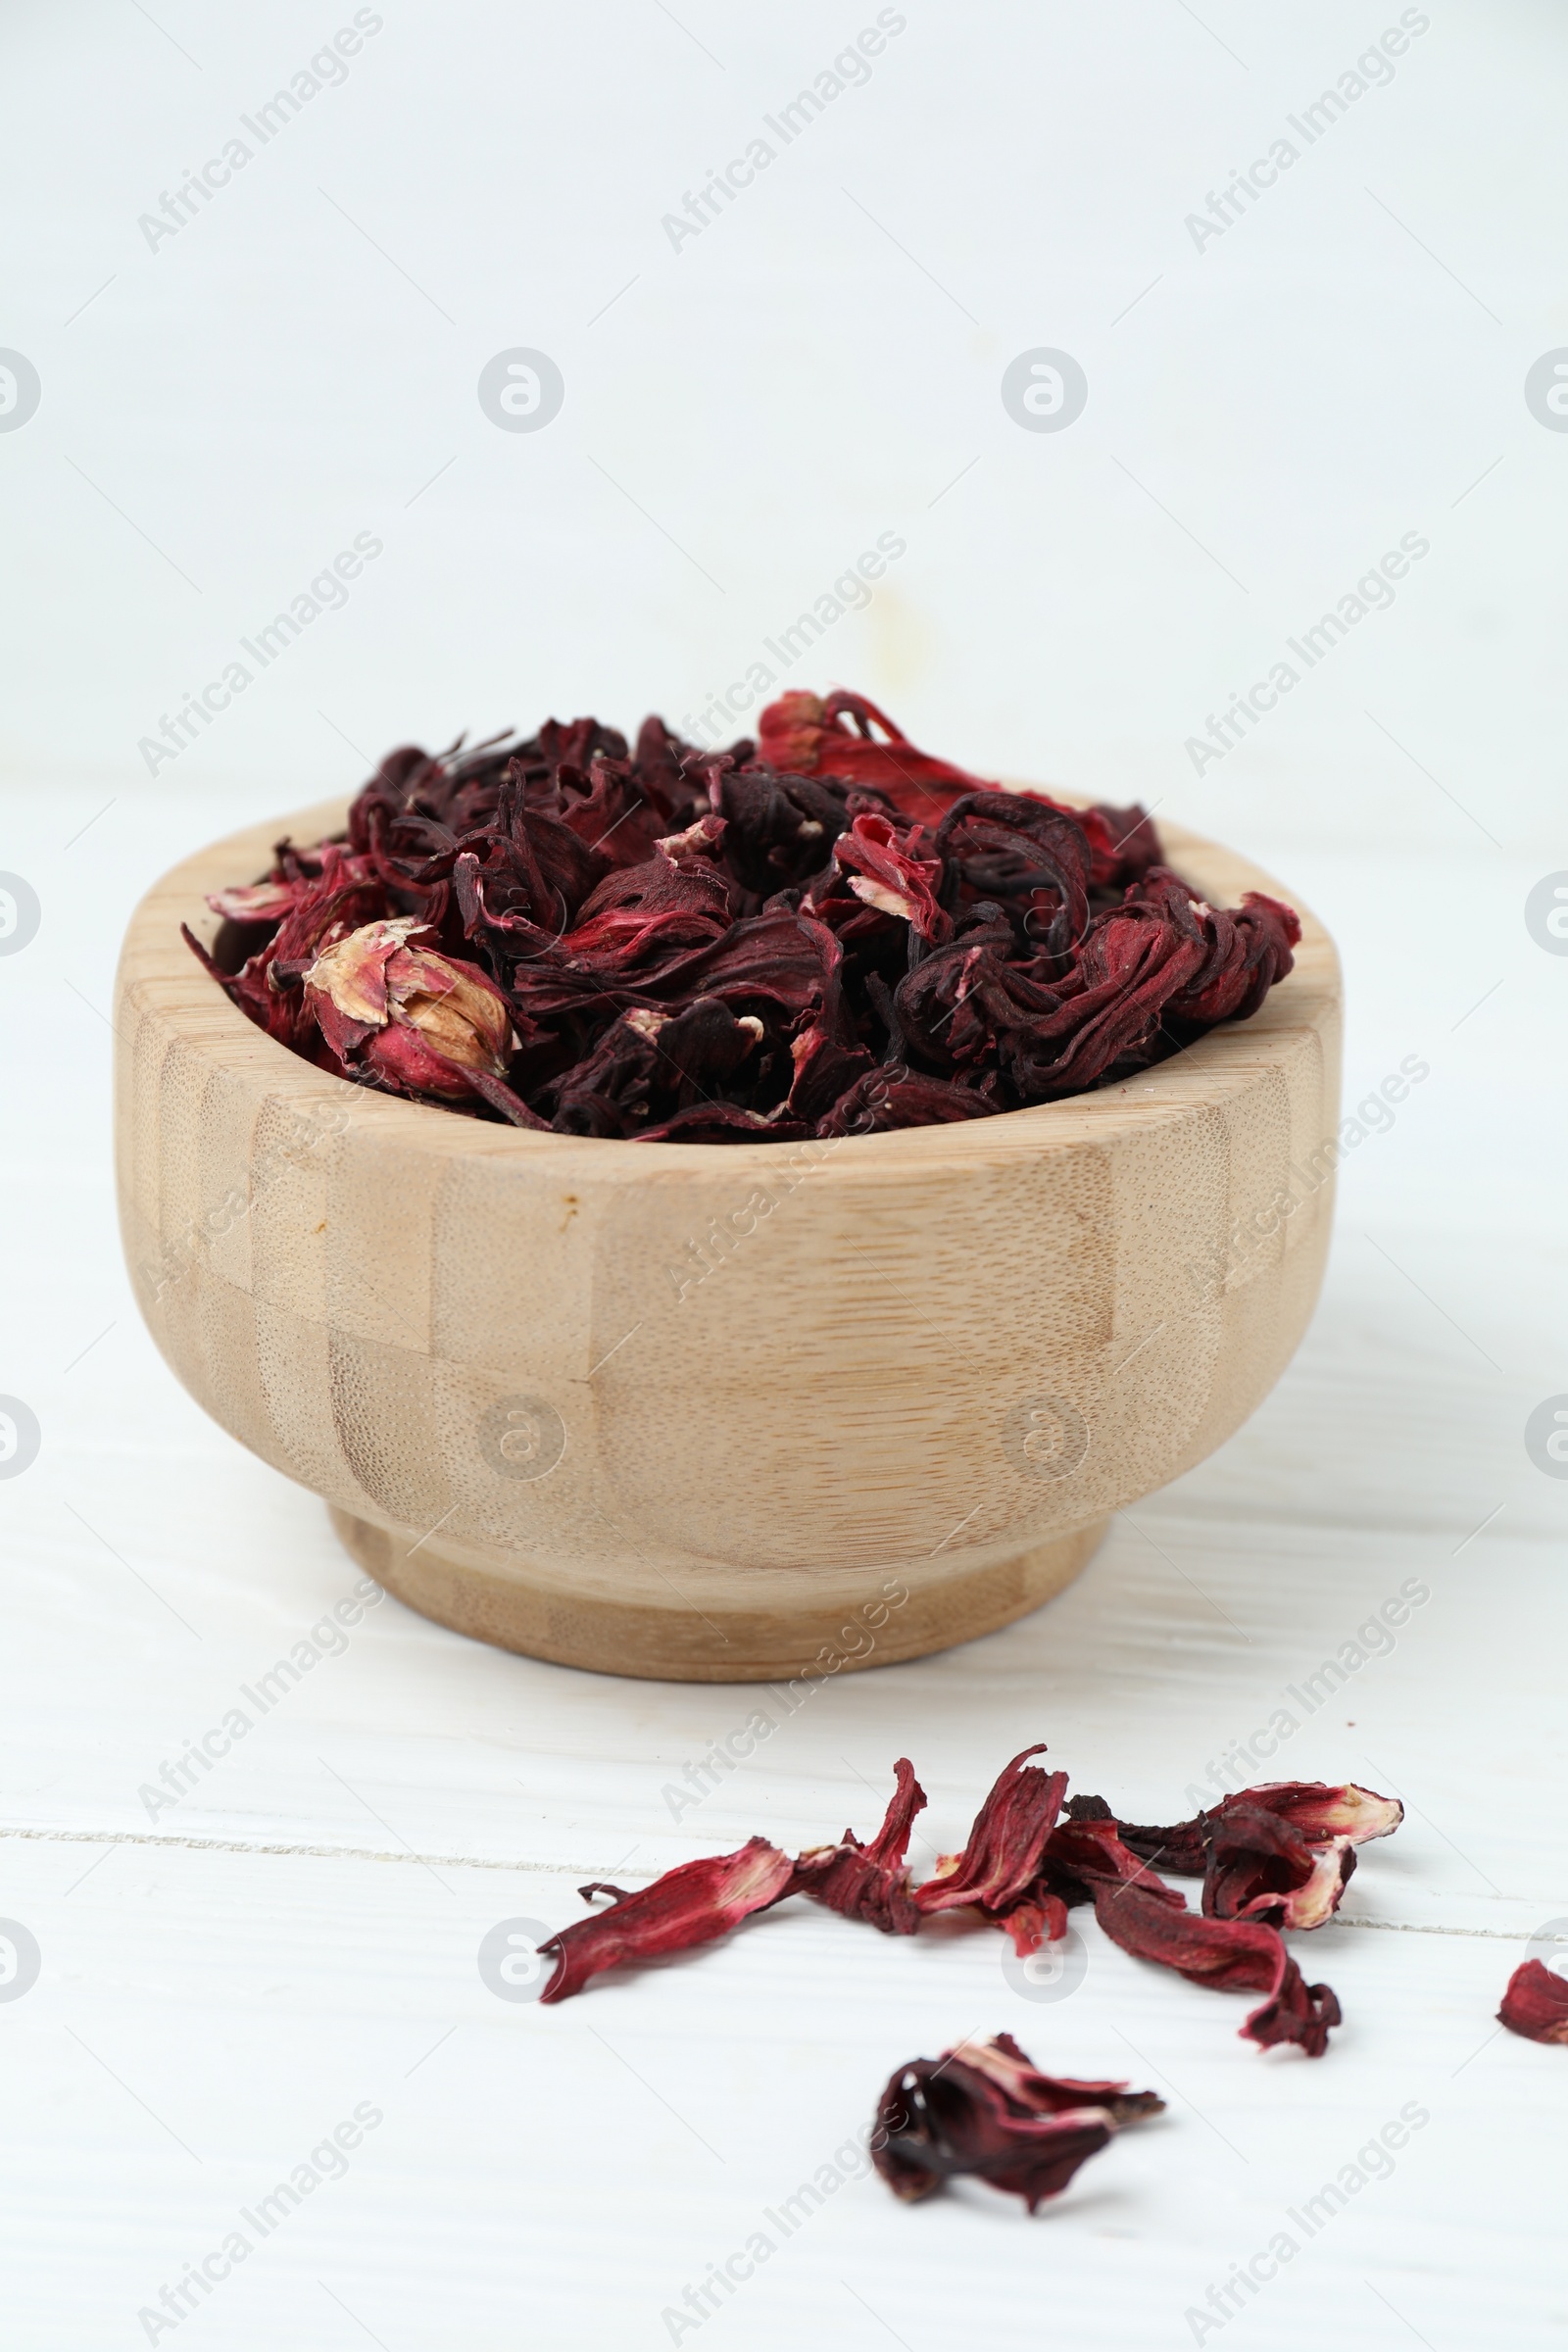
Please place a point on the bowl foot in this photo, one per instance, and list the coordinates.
(715, 1643)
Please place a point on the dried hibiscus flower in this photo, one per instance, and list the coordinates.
(869, 1882)
(425, 1023)
(1232, 1955)
(826, 933)
(690, 1904)
(1261, 1867)
(983, 2110)
(1536, 2003)
(1284, 1851)
(997, 1871)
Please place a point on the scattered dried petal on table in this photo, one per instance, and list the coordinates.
(1002, 1859)
(1261, 1866)
(1033, 2093)
(690, 1904)
(1321, 1813)
(1536, 2003)
(1232, 1955)
(869, 1882)
(983, 2110)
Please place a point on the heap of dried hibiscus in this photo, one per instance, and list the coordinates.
(818, 934)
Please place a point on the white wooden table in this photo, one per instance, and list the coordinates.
(228, 1979)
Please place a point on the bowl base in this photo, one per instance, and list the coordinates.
(718, 1643)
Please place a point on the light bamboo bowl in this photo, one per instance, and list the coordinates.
(897, 1413)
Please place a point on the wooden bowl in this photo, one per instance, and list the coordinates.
(716, 1413)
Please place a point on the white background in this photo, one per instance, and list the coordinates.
(220, 416)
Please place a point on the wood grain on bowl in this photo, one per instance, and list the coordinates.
(708, 1411)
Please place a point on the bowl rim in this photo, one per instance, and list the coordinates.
(158, 975)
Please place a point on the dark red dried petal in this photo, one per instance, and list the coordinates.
(869, 1883)
(825, 1070)
(1030, 2093)
(1536, 2003)
(1321, 1812)
(1034, 1918)
(806, 733)
(1088, 1849)
(1261, 1866)
(879, 865)
(1299, 2013)
(982, 2110)
(726, 1123)
(1236, 1955)
(690, 1904)
(1011, 845)
(1005, 1845)
(1179, 1848)
(883, 1100)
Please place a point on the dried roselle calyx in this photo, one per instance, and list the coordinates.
(882, 1099)
(727, 1123)
(1232, 1955)
(780, 828)
(260, 902)
(1030, 2093)
(1321, 1812)
(1087, 1848)
(806, 733)
(1037, 1917)
(1178, 1849)
(983, 2111)
(1011, 848)
(611, 1090)
(826, 1070)
(1261, 1866)
(1536, 2003)
(1006, 1847)
(691, 1904)
(388, 1006)
(886, 868)
(870, 1883)
(383, 973)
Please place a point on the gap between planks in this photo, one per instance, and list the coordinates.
(564, 1870)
